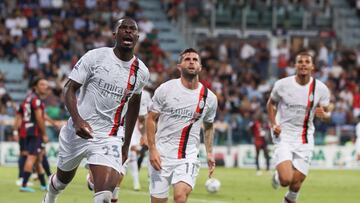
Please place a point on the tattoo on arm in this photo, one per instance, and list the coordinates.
(209, 136)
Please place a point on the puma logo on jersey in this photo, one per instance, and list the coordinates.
(99, 68)
(176, 99)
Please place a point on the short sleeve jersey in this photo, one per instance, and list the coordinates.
(293, 107)
(107, 85)
(176, 138)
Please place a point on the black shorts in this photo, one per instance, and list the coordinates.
(22, 141)
(33, 144)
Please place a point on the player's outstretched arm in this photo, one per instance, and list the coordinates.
(154, 155)
(271, 109)
(209, 137)
(82, 128)
(130, 120)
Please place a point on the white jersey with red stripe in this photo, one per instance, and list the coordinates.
(107, 85)
(294, 100)
(182, 112)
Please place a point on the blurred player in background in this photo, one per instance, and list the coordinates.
(259, 134)
(30, 121)
(103, 98)
(19, 134)
(20, 131)
(292, 106)
(179, 108)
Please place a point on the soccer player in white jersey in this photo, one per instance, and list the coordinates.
(292, 106)
(181, 106)
(103, 93)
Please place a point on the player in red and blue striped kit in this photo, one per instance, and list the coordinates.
(31, 118)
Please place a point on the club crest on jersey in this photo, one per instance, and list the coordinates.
(132, 80)
(201, 104)
(311, 97)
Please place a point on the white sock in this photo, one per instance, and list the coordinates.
(102, 197)
(292, 196)
(54, 188)
(115, 194)
(134, 169)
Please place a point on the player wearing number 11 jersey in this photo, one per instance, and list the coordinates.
(181, 107)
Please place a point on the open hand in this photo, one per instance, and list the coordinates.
(155, 159)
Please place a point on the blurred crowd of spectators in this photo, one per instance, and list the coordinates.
(49, 36)
(242, 72)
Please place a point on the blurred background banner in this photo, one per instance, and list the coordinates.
(243, 156)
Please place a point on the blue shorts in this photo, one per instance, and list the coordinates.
(33, 144)
(22, 141)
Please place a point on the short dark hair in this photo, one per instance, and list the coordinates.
(304, 53)
(188, 50)
(117, 23)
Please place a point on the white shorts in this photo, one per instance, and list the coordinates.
(105, 151)
(135, 139)
(299, 155)
(357, 145)
(171, 174)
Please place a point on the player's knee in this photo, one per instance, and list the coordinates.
(103, 197)
(180, 198)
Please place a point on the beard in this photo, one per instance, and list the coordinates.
(189, 75)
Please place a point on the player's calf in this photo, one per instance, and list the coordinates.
(284, 181)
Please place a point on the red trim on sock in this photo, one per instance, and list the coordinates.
(52, 184)
(289, 201)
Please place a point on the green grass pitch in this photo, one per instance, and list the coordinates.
(238, 186)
